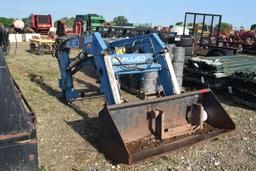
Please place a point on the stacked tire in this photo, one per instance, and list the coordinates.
(187, 42)
(186, 50)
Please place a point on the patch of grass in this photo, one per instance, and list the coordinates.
(170, 159)
(158, 162)
(102, 156)
(36, 90)
(251, 154)
(50, 73)
(220, 139)
(80, 169)
(43, 168)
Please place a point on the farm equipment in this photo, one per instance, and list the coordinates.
(133, 131)
(4, 42)
(82, 24)
(40, 23)
(205, 28)
(89, 22)
(244, 41)
(41, 45)
(131, 31)
(18, 140)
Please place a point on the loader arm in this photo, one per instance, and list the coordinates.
(133, 131)
(93, 45)
(110, 65)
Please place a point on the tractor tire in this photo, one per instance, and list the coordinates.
(32, 48)
(218, 52)
(186, 41)
(40, 50)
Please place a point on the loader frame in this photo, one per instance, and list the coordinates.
(173, 120)
(204, 32)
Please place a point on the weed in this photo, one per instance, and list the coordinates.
(170, 159)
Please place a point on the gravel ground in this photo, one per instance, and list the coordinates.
(67, 133)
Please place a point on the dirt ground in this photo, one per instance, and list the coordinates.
(67, 133)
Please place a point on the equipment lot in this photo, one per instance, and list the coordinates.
(67, 133)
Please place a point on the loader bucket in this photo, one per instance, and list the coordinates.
(131, 132)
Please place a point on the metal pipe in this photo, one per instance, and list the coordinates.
(77, 59)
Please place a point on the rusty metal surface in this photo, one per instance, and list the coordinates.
(18, 140)
(129, 134)
(172, 145)
(13, 116)
(14, 136)
(20, 156)
(131, 119)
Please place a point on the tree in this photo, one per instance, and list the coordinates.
(7, 22)
(68, 21)
(25, 20)
(224, 27)
(179, 23)
(121, 21)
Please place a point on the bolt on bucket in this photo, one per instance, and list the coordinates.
(132, 132)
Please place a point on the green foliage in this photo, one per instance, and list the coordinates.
(170, 159)
(7, 22)
(158, 162)
(25, 20)
(68, 21)
(179, 23)
(121, 21)
(43, 168)
(253, 27)
(225, 26)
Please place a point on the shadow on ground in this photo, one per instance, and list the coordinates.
(38, 79)
(90, 71)
(90, 87)
(87, 128)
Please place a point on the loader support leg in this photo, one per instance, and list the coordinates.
(66, 81)
(172, 73)
(112, 80)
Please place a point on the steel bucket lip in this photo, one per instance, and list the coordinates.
(132, 157)
(157, 100)
(146, 154)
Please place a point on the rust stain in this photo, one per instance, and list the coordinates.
(10, 136)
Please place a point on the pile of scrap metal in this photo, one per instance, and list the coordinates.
(130, 31)
(222, 73)
(242, 87)
(18, 141)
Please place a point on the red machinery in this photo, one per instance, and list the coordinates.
(40, 23)
(78, 28)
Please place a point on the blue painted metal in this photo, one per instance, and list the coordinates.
(165, 77)
(127, 59)
(120, 70)
(66, 81)
(151, 43)
(149, 58)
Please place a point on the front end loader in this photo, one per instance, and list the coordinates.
(133, 131)
(18, 137)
